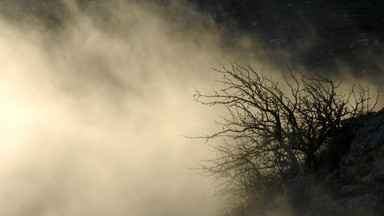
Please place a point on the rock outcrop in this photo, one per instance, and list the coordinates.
(358, 182)
(353, 184)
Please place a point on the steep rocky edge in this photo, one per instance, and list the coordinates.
(358, 182)
(350, 179)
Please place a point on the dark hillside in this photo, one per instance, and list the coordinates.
(354, 186)
(318, 34)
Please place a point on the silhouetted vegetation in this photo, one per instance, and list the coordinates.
(275, 131)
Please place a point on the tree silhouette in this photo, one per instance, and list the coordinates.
(274, 131)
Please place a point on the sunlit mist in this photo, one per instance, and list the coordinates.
(96, 101)
(93, 114)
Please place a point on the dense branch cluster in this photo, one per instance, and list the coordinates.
(276, 131)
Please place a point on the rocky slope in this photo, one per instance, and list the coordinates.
(358, 182)
(350, 181)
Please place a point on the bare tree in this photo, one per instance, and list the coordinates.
(275, 131)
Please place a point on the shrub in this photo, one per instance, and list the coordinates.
(275, 131)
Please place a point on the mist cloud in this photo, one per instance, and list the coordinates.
(94, 99)
(92, 114)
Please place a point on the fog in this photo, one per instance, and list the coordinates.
(93, 113)
(96, 102)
